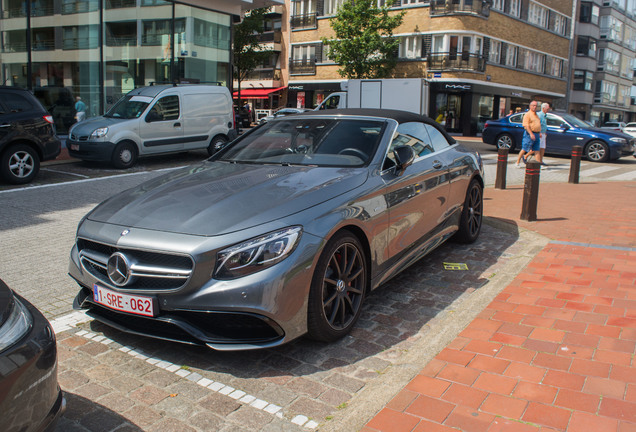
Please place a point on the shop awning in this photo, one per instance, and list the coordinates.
(257, 93)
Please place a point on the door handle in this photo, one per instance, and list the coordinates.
(437, 164)
(177, 124)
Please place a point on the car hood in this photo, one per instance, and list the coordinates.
(215, 198)
(87, 127)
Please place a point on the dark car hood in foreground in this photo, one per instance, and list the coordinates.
(216, 198)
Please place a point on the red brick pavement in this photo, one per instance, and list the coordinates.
(555, 349)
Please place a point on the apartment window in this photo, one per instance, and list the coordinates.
(630, 38)
(533, 61)
(538, 15)
(515, 8)
(156, 32)
(609, 61)
(494, 55)
(589, 13)
(498, 5)
(331, 6)
(611, 28)
(583, 80)
(626, 68)
(624, 96)
(586, 46)
(554, 67)
(81, 37)
(511, 55)
(410, 47)
(608, 92)
(560, 24)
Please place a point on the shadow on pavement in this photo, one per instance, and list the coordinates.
(82, 414)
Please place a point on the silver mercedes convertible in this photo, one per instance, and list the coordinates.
(281, 233)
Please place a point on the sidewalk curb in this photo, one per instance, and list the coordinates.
(375, 396)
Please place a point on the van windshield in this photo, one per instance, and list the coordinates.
(129, 107)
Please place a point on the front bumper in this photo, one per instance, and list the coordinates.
(30, 397)
(96, 151)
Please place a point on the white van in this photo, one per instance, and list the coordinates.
(156, 120)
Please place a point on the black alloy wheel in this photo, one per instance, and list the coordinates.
(472, 214)
(20, 164)
(337, 289)
(505, 141)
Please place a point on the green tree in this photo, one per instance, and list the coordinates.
(364, 45)
(247, 50)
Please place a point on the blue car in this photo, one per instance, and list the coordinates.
(564, 132)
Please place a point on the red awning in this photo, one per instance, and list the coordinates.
(257, 93)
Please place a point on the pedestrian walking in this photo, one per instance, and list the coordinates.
(543, 118)
(80, 109)
(532, 129)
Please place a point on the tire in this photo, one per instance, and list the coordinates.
(216, 144)
(337, 289)
(597, 151)
(20, 164)
(472, 214)
(505, 141)
(124, 155)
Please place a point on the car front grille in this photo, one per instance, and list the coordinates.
(149, 271)
(79, 137)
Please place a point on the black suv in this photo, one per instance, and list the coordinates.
(27, 135)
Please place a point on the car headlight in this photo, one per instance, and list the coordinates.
(16, 326)
(256, 254)
(99, 133)
(618, 140)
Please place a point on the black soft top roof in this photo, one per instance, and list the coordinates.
(397, 115)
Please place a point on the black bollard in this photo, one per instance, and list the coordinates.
(575, 164)
(531, 192)
(502, 167)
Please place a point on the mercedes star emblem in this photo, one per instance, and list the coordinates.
(118, 269)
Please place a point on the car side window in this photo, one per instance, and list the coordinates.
(553, 120)
(438, 140)
(420, 148)
(16, 102)
(166, 108)
(517, 118)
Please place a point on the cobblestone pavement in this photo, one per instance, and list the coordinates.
(115, 381)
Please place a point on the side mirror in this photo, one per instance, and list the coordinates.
(404, 157)
(153, 116)
(565, 126)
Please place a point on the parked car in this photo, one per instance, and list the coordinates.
(630, 129)
(30, 397)
(156, 120)
(614, 126)
(60, 103)
(282, 112)
(283, 232)
(243, 117)
(27, 135)
(564, 132)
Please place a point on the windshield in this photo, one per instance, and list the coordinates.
(575, 121)
(316, 142)
(129, 107)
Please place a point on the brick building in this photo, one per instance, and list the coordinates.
(481, 58)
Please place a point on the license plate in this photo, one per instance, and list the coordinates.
(134, 304)
(75, 147)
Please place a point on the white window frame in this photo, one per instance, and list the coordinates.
(538, 15)
(497, 5)
(494, 55)
(515, 8)
(410, 47)
(512, 52)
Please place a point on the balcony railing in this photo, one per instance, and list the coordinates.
(79, 7)
(43, 45)
(80, 43)
(265, 74)
(272, 36)
(303, 21)
(14, 47)
(450, 7)
(14, 13)
(121, 41)
(458, 61)
(302, 67)
(118, 4)
(152, 39)
(38, 11)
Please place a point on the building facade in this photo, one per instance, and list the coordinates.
(101, 49)
(604, 61)
(481, 58)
